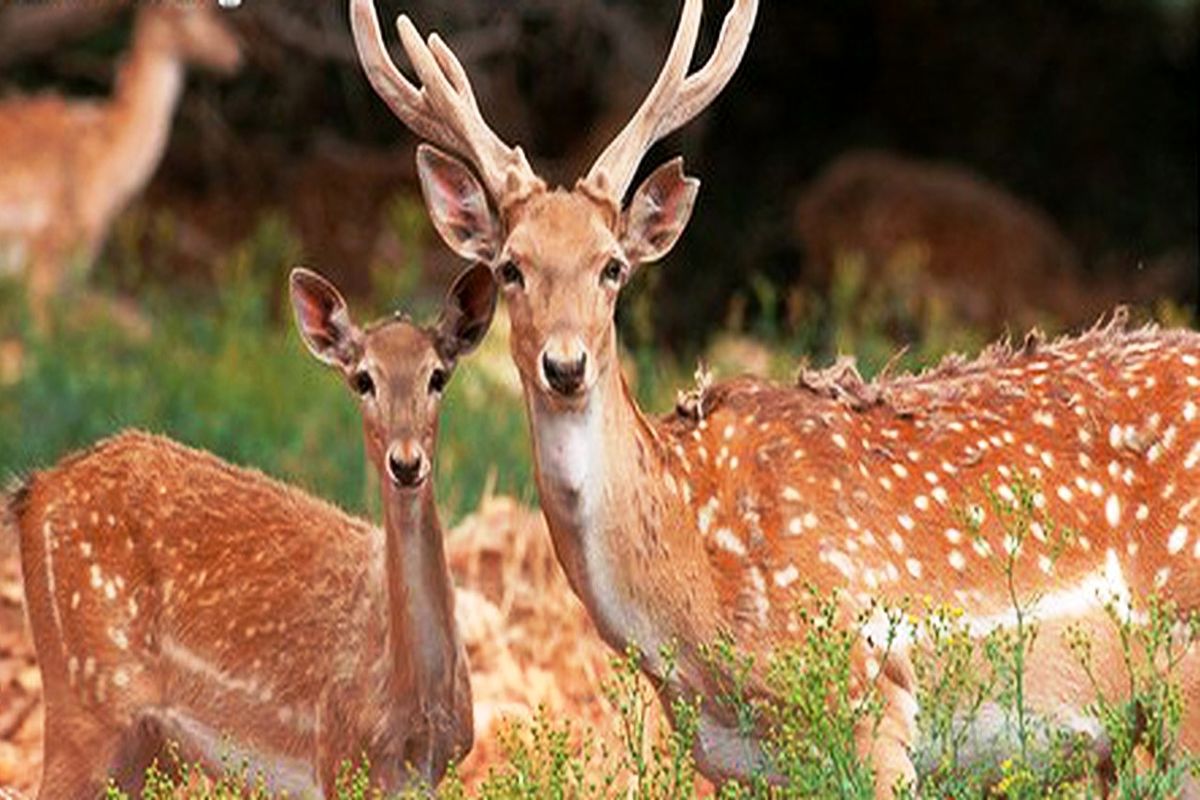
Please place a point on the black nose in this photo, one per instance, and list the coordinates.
(405, 473)
(564, 377)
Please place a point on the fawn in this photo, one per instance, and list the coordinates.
(709, 522)
(71, 166)
(175, 598)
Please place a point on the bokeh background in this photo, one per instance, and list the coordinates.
(889, 179)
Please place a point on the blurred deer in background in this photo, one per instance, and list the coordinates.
(177, 599)
(710, 521)
(990, 258)
(69, 167)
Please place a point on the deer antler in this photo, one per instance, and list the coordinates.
(676, 97)
(443, 110)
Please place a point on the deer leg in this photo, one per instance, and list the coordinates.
(885, 746)
(79, 755)
(42, 284)
(1189, 737)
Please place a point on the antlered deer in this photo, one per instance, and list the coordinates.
(175, 598)
(69, 167)
(710, 521)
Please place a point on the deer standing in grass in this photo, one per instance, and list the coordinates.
(69, 167)
(174, 598)
(710, 521)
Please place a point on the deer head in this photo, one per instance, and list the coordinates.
(398, 370)
(196, 32)
(561, 257)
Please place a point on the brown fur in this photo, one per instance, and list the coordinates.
(864, 486)
(176, 598)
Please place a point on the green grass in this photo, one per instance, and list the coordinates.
(224, 370)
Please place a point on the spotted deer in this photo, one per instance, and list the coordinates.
(70, 167)
(177, 599)
(710, 521)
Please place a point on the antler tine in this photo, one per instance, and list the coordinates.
(675, 97)
(404, 99)
(444, 109)
(702, 87)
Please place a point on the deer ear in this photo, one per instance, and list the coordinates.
(458, 205)
(467, 312)
(323, 320)
(658, 213)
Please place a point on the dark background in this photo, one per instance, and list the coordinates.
(1085, 108)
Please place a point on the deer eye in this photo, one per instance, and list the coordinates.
(612, 273)
(437, 380)
(362, 383)
(510, 274)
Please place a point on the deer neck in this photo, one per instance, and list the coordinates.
(149, 84)
(421, 641)
(602, 481)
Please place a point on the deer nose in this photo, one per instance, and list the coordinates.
(564, 376)
(407, 465)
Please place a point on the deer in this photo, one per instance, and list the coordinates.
(175, 599)
(71, 167)
(989, 256)
(711, 521)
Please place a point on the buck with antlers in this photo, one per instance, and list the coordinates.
(708, 522)
(70, 167)
(174, 598)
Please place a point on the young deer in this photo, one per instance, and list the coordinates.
(70, 167)
(175, 598)
(709, 522)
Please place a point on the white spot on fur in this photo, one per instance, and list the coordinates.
(728, 541)
(1112, 510)
(841, 562)
(1177, 540)
(1160, 577)
(786, 576)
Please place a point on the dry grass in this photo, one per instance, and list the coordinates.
(528, 637)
